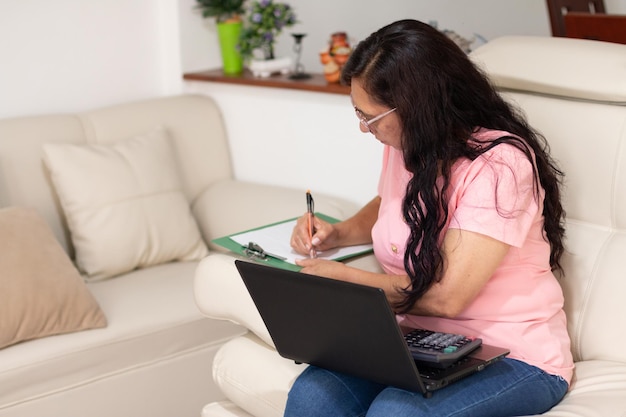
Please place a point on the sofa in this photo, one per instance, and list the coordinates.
(574, 92)
(104, 218)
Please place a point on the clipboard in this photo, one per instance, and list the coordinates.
(252, 247)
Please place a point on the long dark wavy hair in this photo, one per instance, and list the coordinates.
(441, 99)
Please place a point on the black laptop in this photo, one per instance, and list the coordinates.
(348, 328)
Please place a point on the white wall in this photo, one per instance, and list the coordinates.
(305, 140)
(69, 55)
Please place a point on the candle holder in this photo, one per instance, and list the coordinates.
(298, 70)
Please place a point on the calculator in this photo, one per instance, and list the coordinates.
(439, 349)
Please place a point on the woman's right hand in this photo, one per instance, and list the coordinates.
(356, 230)
(324, 236)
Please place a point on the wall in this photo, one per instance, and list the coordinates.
(68, 55)
(305, 140)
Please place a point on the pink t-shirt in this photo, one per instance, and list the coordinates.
(521, 306)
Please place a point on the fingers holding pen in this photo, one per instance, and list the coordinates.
(323, 233)
(311, 234)
(303, 243)
(300, 240)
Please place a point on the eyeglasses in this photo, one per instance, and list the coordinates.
(368, 123)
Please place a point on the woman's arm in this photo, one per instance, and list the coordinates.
(357, 229)
(470, 259)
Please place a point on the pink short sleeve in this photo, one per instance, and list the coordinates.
(495, 195)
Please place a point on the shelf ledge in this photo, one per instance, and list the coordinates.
(316, 82)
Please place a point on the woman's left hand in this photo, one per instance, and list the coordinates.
(342, 272)
(322, 268)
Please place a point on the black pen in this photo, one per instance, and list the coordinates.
(310, 208)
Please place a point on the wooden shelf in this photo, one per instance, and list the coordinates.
(316, 83)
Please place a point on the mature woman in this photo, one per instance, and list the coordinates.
(467, 225)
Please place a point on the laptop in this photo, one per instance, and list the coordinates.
(348, 328)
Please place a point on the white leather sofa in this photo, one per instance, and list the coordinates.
(154, 356)
(574, 92)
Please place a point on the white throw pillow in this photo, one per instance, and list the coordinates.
(124, 204)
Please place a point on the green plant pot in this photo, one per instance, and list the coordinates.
(228, 34)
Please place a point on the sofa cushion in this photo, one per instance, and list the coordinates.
(537, 64)
(42, 292)
(152, 319)
(124, 204)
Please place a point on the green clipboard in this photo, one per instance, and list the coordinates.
(228, 243)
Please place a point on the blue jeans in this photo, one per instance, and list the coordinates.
(505, 388)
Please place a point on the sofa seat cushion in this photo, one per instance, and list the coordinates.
(597, 391)
(152, 317)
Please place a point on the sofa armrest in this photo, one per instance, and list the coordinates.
(231, 206)
(221, 294)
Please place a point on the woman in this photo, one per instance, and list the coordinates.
(467, 225)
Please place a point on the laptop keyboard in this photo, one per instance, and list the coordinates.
(438, 349)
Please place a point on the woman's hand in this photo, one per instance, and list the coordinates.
(324, 236)
(342, 272)
(354, 231)
(323, 268)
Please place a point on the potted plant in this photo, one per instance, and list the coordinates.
(227, 14)
(265, 20)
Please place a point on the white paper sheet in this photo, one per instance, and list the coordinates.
(275, 240)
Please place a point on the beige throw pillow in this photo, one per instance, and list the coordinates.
(124, 204)
(41, 291)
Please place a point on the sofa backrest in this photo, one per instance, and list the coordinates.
(574, 92)
(194, 123)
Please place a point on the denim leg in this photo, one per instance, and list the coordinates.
(322, 393)
(506, 388)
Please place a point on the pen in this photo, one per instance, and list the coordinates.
(310, 207)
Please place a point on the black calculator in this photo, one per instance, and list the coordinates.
(439, 349)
